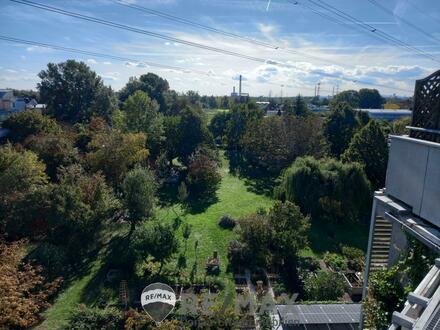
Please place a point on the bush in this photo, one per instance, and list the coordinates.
(355, 257)
(328, 190)
(53, 258)
(326, 286)
(227, 222)
(335, 261)
(84, 318)
(29, 123)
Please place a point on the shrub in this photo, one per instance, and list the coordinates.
(335, 261)
(29, 123)
(327, 189)
(227, 222)
(355, 257)
(326, 286)
(85, 318)
(53, 258)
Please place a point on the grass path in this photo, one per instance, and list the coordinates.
(233, 199)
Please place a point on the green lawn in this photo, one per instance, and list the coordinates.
(211, 112)
(234, 198)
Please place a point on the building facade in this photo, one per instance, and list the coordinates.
(409, 206)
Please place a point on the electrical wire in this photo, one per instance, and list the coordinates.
(370, 28)
(400, 18)
(223, 32)
(193, 44)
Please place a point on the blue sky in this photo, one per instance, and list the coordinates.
(356, 56)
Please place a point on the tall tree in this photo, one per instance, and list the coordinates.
(370, 99)
(340, 127)
(350, 97)
(369, 147)
(142, 115)
(74, 93)
(219, 124)
(241, 117)
(150, 83)
(192, 133)
(115, 153)
(300, 107)
(139, 188)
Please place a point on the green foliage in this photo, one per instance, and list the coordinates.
(326, 286)
(203, 178)
(398, 127)
(115, 153)
(227, 222)
(340, 127)
(55, 150)
(74, 93)
(335, 261)
(327, 189)
(53, 258)
(219, 124)
(273, 238)
(417, 261)
(387, 292)
(27, 123)
(369, 147)
(192, 133)
(355, 258)
(69, 214)
(289, 230)
(297, 108)
(241, 117)
(350, 97)
(370, 99)
(273, 143)
(153, 85)
(139, 189)
(141, 115)
(20, 172)
(89, 318)
(157, 239)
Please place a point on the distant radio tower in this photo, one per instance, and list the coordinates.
(319, 88)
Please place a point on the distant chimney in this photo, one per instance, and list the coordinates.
(239, 88)
(233, 89)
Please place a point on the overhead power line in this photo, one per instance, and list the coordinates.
(371, 29)
(95, 54)
(139, 31)
(223, 32)
(189, 43)
(435, 19)
(404, 20)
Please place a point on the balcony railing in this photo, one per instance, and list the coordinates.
(413, 175)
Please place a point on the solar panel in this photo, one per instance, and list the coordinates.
(320, 314)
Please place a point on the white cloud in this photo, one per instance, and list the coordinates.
(91, 61)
